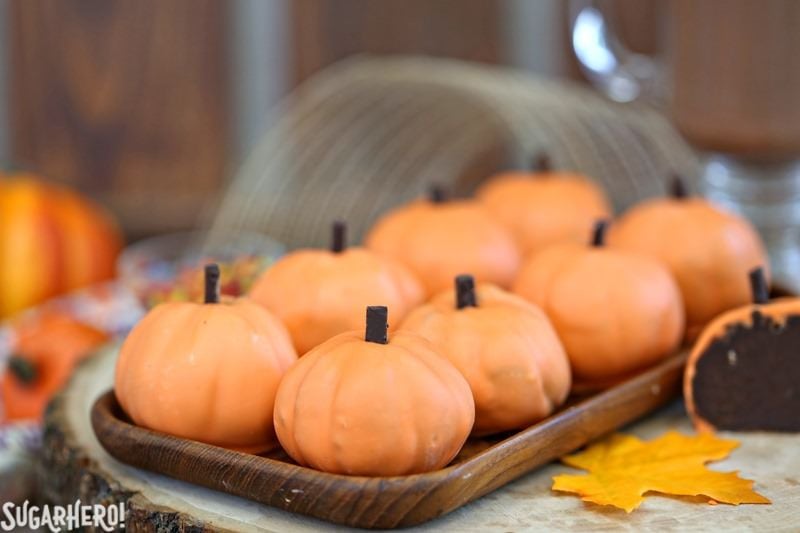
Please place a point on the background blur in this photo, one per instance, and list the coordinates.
(150, 106)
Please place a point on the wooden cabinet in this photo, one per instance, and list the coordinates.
(127, 100)
(132, 101)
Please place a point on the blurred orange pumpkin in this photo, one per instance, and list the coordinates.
(46, 349)
(615, 311)
(318, 294)
(438, 240)
(52, 240)
(544, 206)
(707, 249)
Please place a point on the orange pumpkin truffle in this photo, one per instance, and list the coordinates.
(708, 250)
(743, 373)
(439, 239)
(207, 372)
(504, 346)
(365, 405)
(321, 293)
(615, 311)
(544, 207)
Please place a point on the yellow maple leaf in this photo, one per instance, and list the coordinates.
(623, 468)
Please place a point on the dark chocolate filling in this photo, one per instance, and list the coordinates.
(749, 377)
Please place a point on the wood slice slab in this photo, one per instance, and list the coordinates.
(74, 465)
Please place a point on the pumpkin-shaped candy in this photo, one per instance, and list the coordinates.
(544, 207)
(321, 293)
(708, 250)
(366, 405)
(615, 311)
(207, 372)
(743, 373)
(504, 346)
(46, 348)
(438, 239)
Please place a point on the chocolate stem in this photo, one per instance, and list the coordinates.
(599, 233)
(377, 324)
(465, 292)
(758, 286)
(678, 188)
(23, 369)
(339, 242)
(542, 163)
(212, 283)
(436, 194)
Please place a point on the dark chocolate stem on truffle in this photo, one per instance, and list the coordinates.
(678, 188)
(465, 292)
(339, 241)
(542, 163)
(758, 286)
(599, 233)
(377, 324)
(212, 283)
(22, 369)
(436, 194)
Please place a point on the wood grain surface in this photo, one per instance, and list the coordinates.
(127, 100)
(392, 501)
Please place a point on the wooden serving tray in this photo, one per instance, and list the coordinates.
(387, 502)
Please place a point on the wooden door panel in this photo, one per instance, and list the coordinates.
(125, 99)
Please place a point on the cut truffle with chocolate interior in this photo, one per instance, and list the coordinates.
(748, 378)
